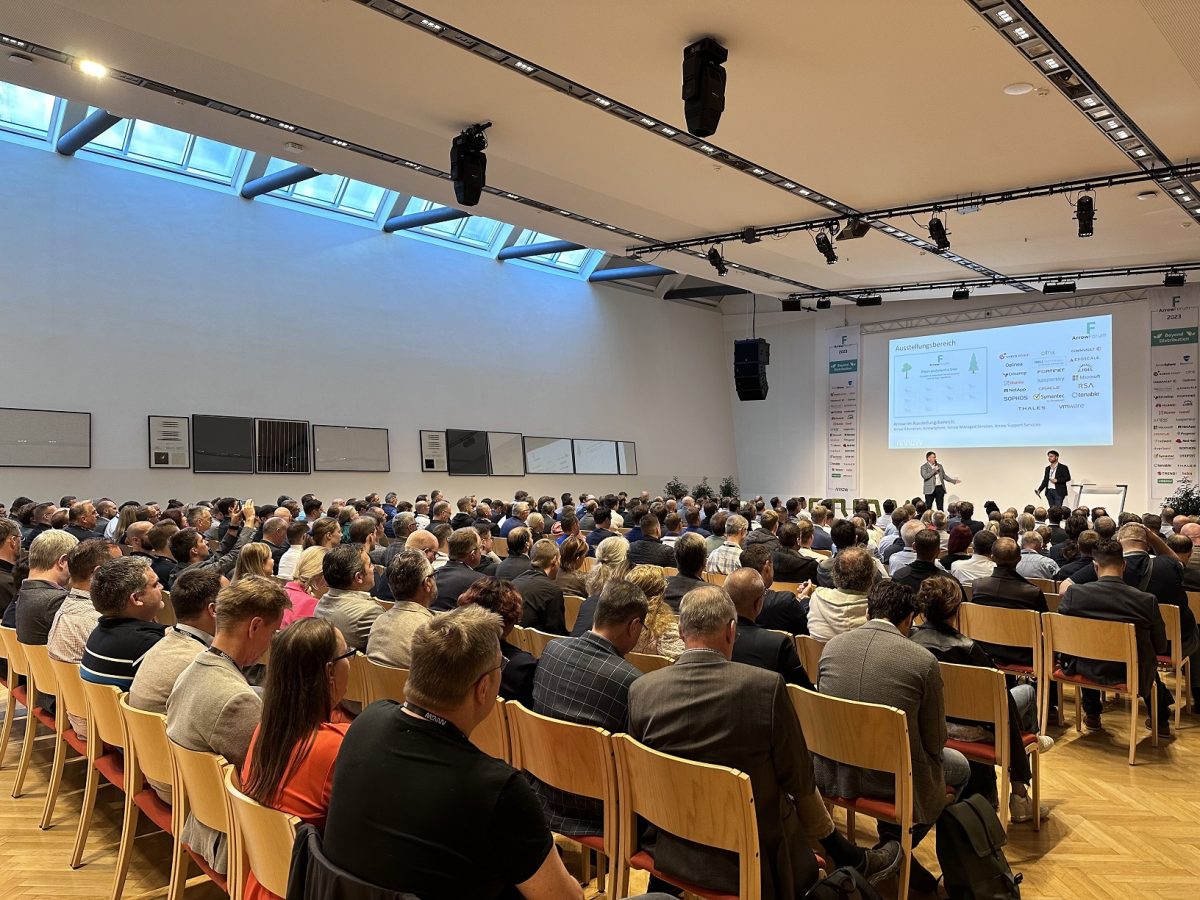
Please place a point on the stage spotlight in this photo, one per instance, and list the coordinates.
(703, 86)
(855, 228)
(468, 164)
(872, 300)
(1175, 279)
(1059, 287)
(717, 261)
(1085, 213)
(750, 235)
(824, 303)
(961, 294)
(825, 245)
(937, 233)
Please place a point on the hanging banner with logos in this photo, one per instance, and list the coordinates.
(1174, 322)
(842, 428)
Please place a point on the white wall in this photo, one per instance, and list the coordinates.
(780, 442)
(124, 294)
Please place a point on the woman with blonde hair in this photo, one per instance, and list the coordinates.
(611, 563)
(660, 635)
(307, 585)
(326, 532)
(254, 559)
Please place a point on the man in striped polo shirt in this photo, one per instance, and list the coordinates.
(127, 594)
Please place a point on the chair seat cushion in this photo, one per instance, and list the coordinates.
(868, 806)
(112, 767)
(595, 841)
(214, 876)
(1016, 667)
(981, 751)
(1060, 675)
(644, 861)
(152, 805)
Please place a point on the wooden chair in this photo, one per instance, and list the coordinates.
(491, 736)
(1011, 628)
(1046, 585)
(385, 682)
(264, 835)
(105, 744)
(1194, 604)
(574, 758)
(822, 552)
(1099, 640)
(11, 693)
(1175, 662)
(356, 689)
(61, 679)
(571, 606)
(589, 562)
(668, 571)
(166, 615)
(500, 547)
(868, 736)
(518, 639)
(198, 787)
(714, 578)
(648, 662)
(792, 586)
(1052, 600)
(536, 641)
(968, 589)
(711, 805)
(18, 667)
(809, 649)
(981, 695)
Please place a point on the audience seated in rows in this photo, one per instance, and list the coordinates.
(781, 610)
(543, 606)
(725, 559)
(844, 606)
(500, 597)
(348, 603)
(414, 589)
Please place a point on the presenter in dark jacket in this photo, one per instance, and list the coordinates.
(1055, 480)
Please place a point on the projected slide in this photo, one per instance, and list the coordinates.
(1037, 385)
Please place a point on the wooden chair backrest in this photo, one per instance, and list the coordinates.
(201, 777)
(975, 693)
(104, 712)
(70, 688)
(146, 733)
(1194, 604)
(714, 578)
(356, 689)
(385, 605)
(968, 589)
(711, 805)
(647, 662)
(668, 571)
(166, 615)
(1092, 639)
(500, 547)
(822, 552)
(536, 641)
(1000, 625)
(40, 671)
(1170, 617)
(385, 682)
(14, 652)
(518, 639)
(588, 563)
(572, 757)
(809, 649)
(1046, 585)
(266, 836)
(866, 735)
(491, 735)
(792, 586)
(571, 606)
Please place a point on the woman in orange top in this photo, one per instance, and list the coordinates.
(289, 766)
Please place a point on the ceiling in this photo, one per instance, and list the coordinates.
(874, 104)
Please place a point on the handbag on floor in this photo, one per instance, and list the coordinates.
(970, 850)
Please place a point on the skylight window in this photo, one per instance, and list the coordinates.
(26, 111)
(473, 231)
(178, 151)
(574, 261)
(334, 192)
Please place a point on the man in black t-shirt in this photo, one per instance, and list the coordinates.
(416, 807)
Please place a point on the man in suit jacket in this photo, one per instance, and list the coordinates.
(877, 663)
(1055, 480)
(600, 530)
(927, 545)
(543, 607)
(1191, 572)
(934, 479)
(520, 540)
(1008, 588)
(1110, 597)
(756, 645)
(822, 540)
(781, 610)
(650, 549)
(461, 571)
(691, 554)
(709, 709)
(794, 560)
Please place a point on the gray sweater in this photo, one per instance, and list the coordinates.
(352, 613)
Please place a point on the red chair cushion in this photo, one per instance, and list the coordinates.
(1014, 667)
(595, 841)
(984, 752)
(156, 811)
(1060, 675)
(76, 743)
(112, 767)
(868, 806)
(45, 718)
(21, 694)
(214, 876)
(644, 861)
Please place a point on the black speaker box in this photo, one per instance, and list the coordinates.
(703, 86)
(750, 359)
(468, 170)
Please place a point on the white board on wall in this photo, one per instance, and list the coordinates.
(507, 452)
(338, 448)
(549, 456)
(595, 457)
(45, 438)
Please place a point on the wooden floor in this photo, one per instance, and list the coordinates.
(1114, 831)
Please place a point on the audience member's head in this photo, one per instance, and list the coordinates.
(843, 534)
(1005, 552)
(691, 554)
(573, 551)
(126, 587)
(853, 570)
(348, 568)
(194, 598)
(959, 539)
(745, 588)
(48, 557)
(519, 541)
(254, 559)
(87, 556)
(939, 599)
(1105, 526)
(496, 596)
(465, 547)
(1031, 541)
(411, 578)
(455, 665)
(927, 545)
(545, 556)
(1109, 558)
(708, 619)
(892, 601)
(983, 542)
(611, 563)
(1180, 547)
(621, 614)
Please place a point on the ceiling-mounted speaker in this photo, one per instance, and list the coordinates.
(468, 164)
(703, 86)
(750, 359)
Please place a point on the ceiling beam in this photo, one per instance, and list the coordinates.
(421, 219)
(707, 290)
(546, 247)
(86, 132)
(629, 272)
(276, 180)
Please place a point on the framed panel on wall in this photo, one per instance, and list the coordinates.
(223, 444)
(45, 438)
(341, 448)
(282, 447)
(595, 457)
(626, 458)
(549, 456)
(170, 444)
(433, 451)
(467, 452)
(506, 452)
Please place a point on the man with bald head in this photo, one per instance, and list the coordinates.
(421, 540)
(82, 518)
(755, 645)
(1191, 572)
(274, 533)
(1008, 588)
(135, 537)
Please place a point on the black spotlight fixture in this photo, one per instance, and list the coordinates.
(750, 235)
(1059, 287)
(869, 300)
(1175, 279)
(717, 261)
(824, 303)
(1085, 214)
(937, 234)
(961, 293)
(855, 228)
(468, 164)
(825, 245)
(703, 86)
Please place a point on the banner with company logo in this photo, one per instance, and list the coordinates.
(1174, 321)
(842, 430)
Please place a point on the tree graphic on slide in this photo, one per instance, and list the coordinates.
(906, 368)
(974, 366)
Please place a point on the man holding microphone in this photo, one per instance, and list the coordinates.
(1055, 480)
(935, 481)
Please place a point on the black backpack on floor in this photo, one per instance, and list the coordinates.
(970, 844)
(842, 884)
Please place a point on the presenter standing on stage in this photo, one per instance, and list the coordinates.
(935, 481)
(1054, 482)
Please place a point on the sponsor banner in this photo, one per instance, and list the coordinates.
(1174, 372)
(842, 428)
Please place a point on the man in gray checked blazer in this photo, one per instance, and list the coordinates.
(935, 478)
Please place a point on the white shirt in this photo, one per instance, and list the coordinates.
(967, 570)
(287, 562)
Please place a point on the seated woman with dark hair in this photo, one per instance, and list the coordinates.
(939, 601)
(289, 766)
(958, 546)
(500, 597)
